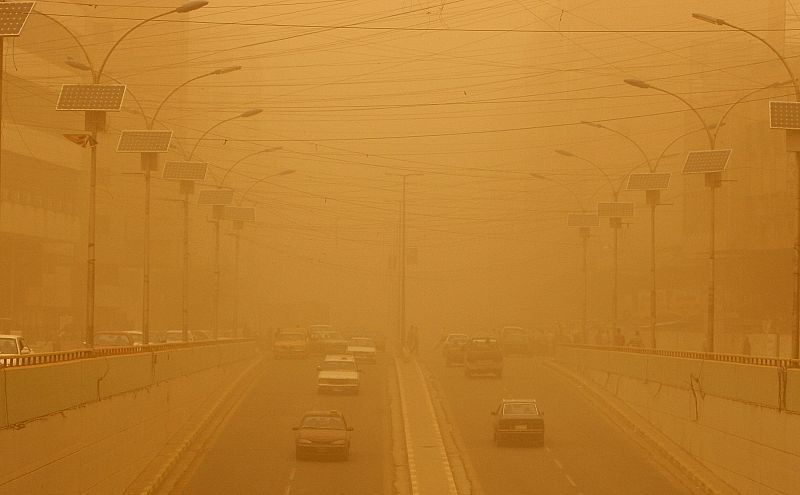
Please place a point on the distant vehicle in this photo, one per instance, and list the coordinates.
(518, 419)
(323, 339)
(138, 337)
(176, 336)
(322, 434)
(13, 345)
(290, 342)
(515, 341)
(378, 338)
(338, 374)
(453, 348)
(482, 355)
(363, 349)
(114, 339)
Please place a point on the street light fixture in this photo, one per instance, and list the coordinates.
(95, 122)
(713, 181)
(792, 137)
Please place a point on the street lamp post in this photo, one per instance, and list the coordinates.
(237, 226)
(584, 221)
(652, 198)
(616, 225)
(95, 122)
(216, 220)
(795, 353)
(712, 181)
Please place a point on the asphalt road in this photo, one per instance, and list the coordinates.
(584, 452)
(253, 450)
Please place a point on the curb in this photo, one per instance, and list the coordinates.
(176, 455)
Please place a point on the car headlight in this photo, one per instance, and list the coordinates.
(339, 442)
(303, 441)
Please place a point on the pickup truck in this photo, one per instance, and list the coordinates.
(482, 355)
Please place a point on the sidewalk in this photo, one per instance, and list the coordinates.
(428, 466)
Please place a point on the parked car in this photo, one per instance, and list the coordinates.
(482, 355)
(453, 348)
(13, 345)
(113, 339)
(515, 341)
(363, 349)
(338, 374)
(290, 342)
(322, 434)
(520, 420)
(138, 337)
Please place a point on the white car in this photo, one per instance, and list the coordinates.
(363, 349)
(12, 346)
(338, 373)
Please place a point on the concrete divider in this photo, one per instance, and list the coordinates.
(740, 420)
(92, 425)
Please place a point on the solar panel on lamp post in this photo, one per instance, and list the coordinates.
(100, 99)
(710, 163)
(217, 199)
(584, 222)
(148, 144)
(615, 211)
(12, 19)
(786, 115)
(238, 215)
(713, 181)
(187, 173)
(95, 101)
(651, 184)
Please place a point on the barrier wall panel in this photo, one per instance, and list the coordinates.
(747, 383)
(126, 373)
(627, 364)
(37, 391)
(793, 391)
(3, 415)
(675, 372)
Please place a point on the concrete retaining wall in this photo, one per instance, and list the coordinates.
(729, 416)
(91, 426)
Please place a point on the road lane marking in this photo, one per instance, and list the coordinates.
(571, 482)
(288, 489)
(560, 466)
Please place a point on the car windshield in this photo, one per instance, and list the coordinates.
(8, 346)
(338, 366)
(323, 422)
(483, 343)
(362, 342)
(520, 408)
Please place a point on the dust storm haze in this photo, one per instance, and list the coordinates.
(238, 237)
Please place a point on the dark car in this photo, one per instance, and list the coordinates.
(322, 434)
(453, 348)
(482, 355)
(518, 420)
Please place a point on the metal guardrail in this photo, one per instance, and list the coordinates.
(708, 356)
(77, 354)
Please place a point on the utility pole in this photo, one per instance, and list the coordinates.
(402, 331)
